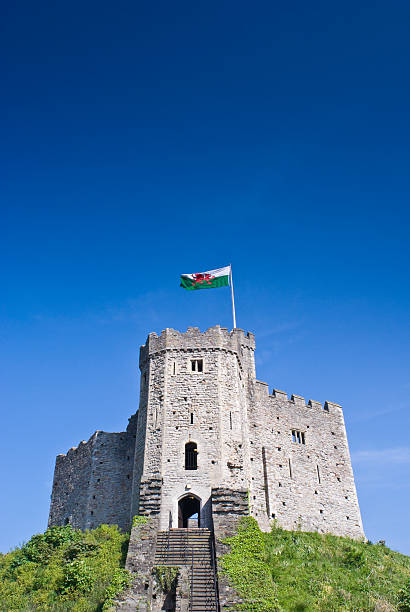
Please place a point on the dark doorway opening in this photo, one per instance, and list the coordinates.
(189, 508)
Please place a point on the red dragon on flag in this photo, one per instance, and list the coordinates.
(203, 277)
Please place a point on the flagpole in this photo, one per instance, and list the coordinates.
(233, 299)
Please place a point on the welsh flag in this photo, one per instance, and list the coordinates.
(206, 280)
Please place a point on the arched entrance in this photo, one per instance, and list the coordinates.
(189, 508)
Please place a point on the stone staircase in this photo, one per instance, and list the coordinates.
(191, 548)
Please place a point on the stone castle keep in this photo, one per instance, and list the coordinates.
(208, 444)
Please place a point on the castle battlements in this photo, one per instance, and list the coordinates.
(213, 338)
(297, 400)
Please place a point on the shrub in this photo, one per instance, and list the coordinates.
(77, 578)
(64, 570)
(138, 521)
(167, 577)
(120, 581)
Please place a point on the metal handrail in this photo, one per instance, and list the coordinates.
(199, 559)
(192, 575)
(169, 533)
(213, 565)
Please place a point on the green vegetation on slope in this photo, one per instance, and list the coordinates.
(294, 571)
(65, 570)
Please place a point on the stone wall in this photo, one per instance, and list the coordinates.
(304, 483)
(69, 498)
(92, 483)
(228, 507)
(140, 560)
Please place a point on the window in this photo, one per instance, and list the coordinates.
(298, 436)
(191, 456)
(197, 365)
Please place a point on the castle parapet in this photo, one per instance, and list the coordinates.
(193, 339)
(299, 400)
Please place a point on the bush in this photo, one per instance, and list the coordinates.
(64, 570)
(77, 578)
(167, 577)
(121, 579)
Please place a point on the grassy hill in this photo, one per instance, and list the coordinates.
(288, 571)
(294, 571)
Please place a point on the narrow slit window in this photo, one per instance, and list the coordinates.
(230, 419)
(318, 473)
(192, 418)
(290, 468)
(174, 367)
(197, 365)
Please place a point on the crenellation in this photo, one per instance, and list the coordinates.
(280, 394)
(298, 400)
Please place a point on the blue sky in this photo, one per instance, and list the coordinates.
(141, 140)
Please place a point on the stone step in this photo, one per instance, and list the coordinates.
(190, 548)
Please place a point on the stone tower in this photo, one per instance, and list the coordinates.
(192, 429)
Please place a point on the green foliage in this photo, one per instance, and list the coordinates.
(167, 577)
(41, 546)
(138, 521)
(404, 598)
(64, 570)
(121, 579)
(246, 567)
(293, 571)
(77, 578)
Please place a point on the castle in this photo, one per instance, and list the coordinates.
(210, 443)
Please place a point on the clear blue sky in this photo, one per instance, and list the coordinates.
(141, 140)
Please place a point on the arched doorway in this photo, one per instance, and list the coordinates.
(189, 509)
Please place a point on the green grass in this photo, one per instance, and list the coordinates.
(65, 570)
(296, 571)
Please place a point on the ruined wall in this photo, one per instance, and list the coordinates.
(69, 498)
(92, 483)
(111, 480)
